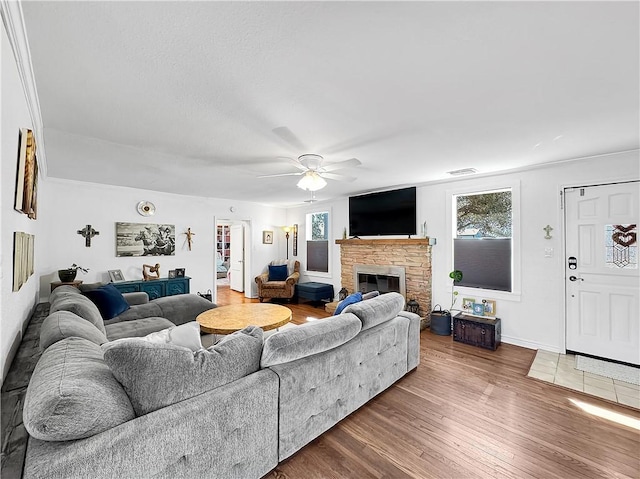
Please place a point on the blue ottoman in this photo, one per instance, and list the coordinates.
(315, 291)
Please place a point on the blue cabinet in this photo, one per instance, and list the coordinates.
(155, 288)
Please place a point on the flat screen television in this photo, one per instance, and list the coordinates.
(383, 213)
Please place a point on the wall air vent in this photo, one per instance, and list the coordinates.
(463, 171)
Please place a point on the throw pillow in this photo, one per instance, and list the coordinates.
(351, 299)
(157, 375)
(186, 335)
(73, 394)
(278, 273)
(109, 301)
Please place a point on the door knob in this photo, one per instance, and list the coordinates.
(574, 278)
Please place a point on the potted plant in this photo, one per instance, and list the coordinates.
(456, 276)
(441, 319)
(68, 275)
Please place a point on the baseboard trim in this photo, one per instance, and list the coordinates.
(530, 344)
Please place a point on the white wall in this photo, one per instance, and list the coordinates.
(71, 205)
(338, 218)
(534, 316)
(15, 307)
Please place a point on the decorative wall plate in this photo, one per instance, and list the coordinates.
(146, 208)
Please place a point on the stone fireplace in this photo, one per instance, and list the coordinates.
(389, 262)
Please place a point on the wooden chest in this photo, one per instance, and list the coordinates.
(482, 332)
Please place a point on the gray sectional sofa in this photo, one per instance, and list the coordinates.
(102, 408)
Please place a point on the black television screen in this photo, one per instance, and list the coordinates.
(383, 213)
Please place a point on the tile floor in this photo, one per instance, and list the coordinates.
(559, 369)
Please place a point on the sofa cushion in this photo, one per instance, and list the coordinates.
(182, 308)
(136, 297)
(109, 301)
(370, 295)
(63, 290)
(136, 328)
(79, 305)
(139, 311)
(84, 287)
(308, 339)
(73, 394)
(351, 299)
(278, 272)
(274, 285)
(64, 324)
(377, 310)
(157, 375)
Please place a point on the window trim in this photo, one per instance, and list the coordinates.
(320, 274)
(487, 186)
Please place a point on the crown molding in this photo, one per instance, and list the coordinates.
(14, 25)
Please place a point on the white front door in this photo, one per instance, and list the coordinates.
(601, 271)
(236, 260)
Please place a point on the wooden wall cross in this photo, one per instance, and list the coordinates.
(190, 234)
(88, 232)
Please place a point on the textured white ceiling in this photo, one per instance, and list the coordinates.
(200, 98)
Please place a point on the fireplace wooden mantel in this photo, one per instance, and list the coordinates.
(412, 254)
(383, 242)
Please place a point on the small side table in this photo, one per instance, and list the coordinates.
(75, 284)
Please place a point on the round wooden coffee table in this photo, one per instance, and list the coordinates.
(234, 317)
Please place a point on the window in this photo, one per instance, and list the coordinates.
(482, 244)
(318, 242)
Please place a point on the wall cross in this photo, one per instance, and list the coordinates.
(88, 232)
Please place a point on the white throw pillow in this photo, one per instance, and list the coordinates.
(186, 335)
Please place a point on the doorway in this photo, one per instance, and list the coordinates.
(223, 253)
(601, 271)
(232, 247)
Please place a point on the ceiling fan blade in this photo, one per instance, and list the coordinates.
(342, 164)
(287, 135)
(333, 176)
(281, 174)
(297, 164)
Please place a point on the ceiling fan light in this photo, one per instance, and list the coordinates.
(311, 181)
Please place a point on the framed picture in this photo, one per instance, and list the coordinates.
(267, 237)
(171, 274)
(489, 307)
(116, 275)
(145, 239)
(27, 177)
(478, 309)
(295, 239)
(22, 258)
(467, 304)
(179, 272)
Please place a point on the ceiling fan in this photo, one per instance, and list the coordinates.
(314, 171)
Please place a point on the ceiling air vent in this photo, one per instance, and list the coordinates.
(463, 171)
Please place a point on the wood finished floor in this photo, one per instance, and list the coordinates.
(467, 413)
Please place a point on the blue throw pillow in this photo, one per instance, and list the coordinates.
(278, 273)
(351, 299)
(109, 301)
